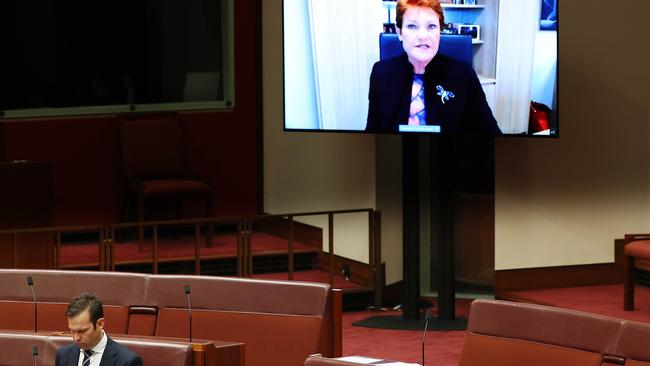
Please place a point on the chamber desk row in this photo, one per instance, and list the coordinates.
(280, 323)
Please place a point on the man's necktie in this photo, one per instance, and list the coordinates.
(87, 355)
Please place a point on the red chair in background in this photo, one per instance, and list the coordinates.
(637, 247)
(538, 119)
(154, 168)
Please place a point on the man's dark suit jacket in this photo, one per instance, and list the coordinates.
(391, 82)
(114, 355)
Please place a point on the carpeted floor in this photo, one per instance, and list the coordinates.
(444, 348)
(441, 347)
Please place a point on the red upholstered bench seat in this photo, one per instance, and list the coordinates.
(633, 344)
(506, 333)
(54, 289)
(280, 322)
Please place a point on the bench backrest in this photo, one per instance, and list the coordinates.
(634, 343)
(54, 289)
(280, 322)
(508, 333)
(16, 348)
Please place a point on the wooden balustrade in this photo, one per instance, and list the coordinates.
(109, 241)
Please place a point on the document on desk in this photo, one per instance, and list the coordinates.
(375, 361)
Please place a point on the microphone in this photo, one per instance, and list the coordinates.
(30, 283)
(34, 353)
(427, 318)
(189, 308)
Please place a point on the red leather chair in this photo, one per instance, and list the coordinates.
(637, 246)
(154, 167)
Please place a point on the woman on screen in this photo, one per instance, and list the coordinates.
(421, 90)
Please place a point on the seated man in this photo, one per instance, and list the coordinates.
(91, 347)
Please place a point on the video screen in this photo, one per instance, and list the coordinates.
(483, 67)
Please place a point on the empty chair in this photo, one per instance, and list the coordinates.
(154, 167)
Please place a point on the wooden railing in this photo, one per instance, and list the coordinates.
(207, 224)
(109, 237)
(20, 248)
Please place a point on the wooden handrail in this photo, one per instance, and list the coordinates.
(52, 229)
(154, 251)
(56, 244)
(376, 261)
(244, 224)
(330, 246)
(313, 213)
(337, 323)
(197, 249)
(188, 222)
(57, 254)
(291, 264)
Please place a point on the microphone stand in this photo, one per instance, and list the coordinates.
(30, 283)
(34, 353)
(427, 317)
(189, 308)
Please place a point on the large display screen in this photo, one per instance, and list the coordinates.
(485, 67)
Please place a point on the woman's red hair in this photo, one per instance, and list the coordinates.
(402, 5)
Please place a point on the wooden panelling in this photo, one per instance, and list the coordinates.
(361, 273)
(223, 146)
(26, 202)
(2, 138)
(562, 276)
(303, 233)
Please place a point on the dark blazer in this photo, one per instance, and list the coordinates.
(114, 355)
(389, 97)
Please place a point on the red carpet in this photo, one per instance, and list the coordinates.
(442, 348)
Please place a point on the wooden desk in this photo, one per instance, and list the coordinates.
(206, 352)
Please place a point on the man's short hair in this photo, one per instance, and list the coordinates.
(86, 301)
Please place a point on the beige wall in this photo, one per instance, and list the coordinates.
(563, 202)
(313, 171)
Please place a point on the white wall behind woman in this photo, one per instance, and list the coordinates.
(312, 171)
(544, 68)
(303, 113)
(564, 201)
